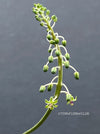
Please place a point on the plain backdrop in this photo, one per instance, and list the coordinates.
(24, 51)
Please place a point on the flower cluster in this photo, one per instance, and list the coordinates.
(56, 44)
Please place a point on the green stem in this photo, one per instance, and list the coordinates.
(58, 87)
(60, 77)
(39, 123)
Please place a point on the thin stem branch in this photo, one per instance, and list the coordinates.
(64, 92)
(72, 68)
(65, 87)
(54, 78)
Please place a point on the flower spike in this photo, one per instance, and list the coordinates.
(42, 15)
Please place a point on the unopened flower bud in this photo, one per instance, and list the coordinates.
(76, 75)
(49, 50)
(66, 64)
(42, 24)
(38, 18)
(52, 42)
(42, 88)
(47, 12)
(34, 11)
(56, 40)
(50, 59)
(64, 42)
(67, 55)
(43, 8)
(53, 70)
(49, 37)
(45, 68)
(57, 52)
(34, 5)
(50, 87)
(54, 18)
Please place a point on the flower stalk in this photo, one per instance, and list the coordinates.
(42, 15)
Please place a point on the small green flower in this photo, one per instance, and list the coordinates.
(52, 42)
(66, 64)
(57, 52)
(36, 16)
(51, 104)
(38, 19)
(50, 59)
(70, 99)
(49, 50)
(42, 24)
(47, 12)
(34, 11)
(47, 29)
(35, 4)
(54, 18)
(76, 75)
(48, 18)
(49, 37)
(44, 8)
(53, 70)
(38, 5)
(42, 88)
(67, 55)
(64, 42)
(40, 12)
(50, 86)
(56, 40)
(45, 68)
